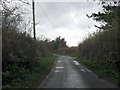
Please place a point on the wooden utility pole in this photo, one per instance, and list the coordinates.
(33, 7)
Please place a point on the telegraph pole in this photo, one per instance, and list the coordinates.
(33, 7)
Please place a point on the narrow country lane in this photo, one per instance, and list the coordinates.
(67, 73)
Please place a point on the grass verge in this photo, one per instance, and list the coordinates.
(101, 70)
(34, 78)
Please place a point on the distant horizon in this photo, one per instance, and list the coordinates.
(65, 19)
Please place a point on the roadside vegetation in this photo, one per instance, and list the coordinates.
(70, 51)
(25, 61)
(100, 51)
(32, 79)
(102, 71)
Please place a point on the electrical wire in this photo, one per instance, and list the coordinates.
(46, 16)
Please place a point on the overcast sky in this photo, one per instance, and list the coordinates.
(66, 19)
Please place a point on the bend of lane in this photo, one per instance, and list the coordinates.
(67, 75)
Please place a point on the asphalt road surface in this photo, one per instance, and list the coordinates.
(68, 73)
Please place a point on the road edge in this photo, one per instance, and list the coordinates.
(49, 75)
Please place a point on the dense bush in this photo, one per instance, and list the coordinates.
(18, 53)
(103, 45)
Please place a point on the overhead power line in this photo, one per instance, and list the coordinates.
(46, 16)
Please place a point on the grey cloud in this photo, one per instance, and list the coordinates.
(67, 15)
(58, 14)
